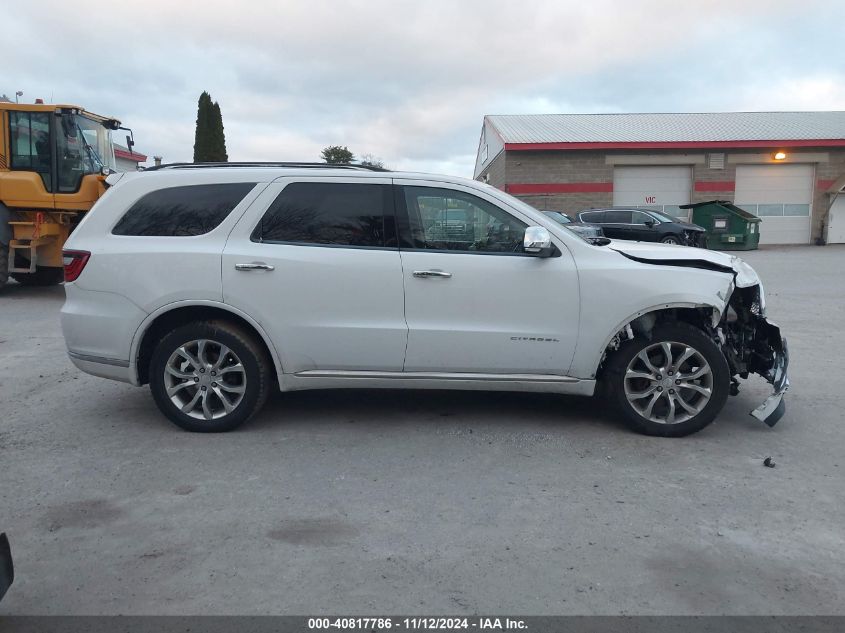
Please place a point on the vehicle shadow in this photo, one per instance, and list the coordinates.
(388, 407)
(14, 290)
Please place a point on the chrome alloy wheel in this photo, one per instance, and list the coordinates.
(668, 382)
(204, 379)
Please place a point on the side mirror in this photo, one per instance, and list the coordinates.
(537, 241)
(650, 223)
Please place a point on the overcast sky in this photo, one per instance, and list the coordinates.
(410, 81)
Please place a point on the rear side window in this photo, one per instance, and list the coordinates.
(182, 211)
(617, 217)
(330, 214)
(591, 216)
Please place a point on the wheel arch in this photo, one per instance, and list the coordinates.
(642, 322)
(176, 314)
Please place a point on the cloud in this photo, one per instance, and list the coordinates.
(411, 81)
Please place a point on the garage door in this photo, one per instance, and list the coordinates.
(660, 188)
(782, 196)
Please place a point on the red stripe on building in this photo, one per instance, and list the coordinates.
(560, 187)
(824, 184)
(138, 158)
(715, 185)
(526, 147)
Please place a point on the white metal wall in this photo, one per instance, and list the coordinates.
(782, 195)
(662, 188)
(836, 221)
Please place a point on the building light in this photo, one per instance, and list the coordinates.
(780, 155)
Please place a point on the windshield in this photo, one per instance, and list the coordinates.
(84, 147)
(525, 207)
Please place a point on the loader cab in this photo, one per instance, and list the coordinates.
(62, 145)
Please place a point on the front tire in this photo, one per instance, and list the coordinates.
(209, 376)
(670, 239)
(670, 385)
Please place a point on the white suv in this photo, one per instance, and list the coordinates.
(213, 283)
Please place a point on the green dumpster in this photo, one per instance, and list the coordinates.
(728, 228)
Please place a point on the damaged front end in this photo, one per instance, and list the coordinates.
(753, 344)
(750, 342)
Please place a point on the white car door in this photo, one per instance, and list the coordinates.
(474, 300)
(315, 261)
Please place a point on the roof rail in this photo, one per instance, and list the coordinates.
(268, 164)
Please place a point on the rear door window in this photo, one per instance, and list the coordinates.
(617, 217)
(330, 214)
(591, 216)
(182, 211)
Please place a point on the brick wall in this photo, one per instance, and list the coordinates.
(561, 167)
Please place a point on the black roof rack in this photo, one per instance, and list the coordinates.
(268, 164)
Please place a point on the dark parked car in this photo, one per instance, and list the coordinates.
(644, 225)
(581, 228)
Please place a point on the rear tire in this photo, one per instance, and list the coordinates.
(686, 392)
(4, 264)
(209, 376)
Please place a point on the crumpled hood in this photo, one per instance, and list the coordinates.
(672, 255)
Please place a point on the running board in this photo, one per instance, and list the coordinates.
(432, 375)
(340, 379)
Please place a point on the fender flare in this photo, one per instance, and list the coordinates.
(135, 346)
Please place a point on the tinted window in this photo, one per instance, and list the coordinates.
(182, 211)
(328, 213)
(448, 220)
(617, 217)
(30, 143)
(591, 216)
(641, 218)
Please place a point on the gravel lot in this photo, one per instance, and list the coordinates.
(425, 502)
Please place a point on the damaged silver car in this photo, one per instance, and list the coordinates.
(252, 276)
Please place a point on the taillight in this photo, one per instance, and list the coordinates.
(74, 262)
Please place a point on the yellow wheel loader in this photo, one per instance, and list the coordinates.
(54, 160)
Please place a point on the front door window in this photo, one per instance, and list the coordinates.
(30, 143)
(449, 220)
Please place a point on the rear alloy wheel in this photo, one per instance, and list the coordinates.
(671, 239)
(209, 376)
(672, 385)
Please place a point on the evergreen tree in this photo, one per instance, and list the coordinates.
(335, 155)
(209, 140)
(219, 147)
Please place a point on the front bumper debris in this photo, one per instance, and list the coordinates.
(774, 407)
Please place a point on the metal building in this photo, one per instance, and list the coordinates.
(785, 167)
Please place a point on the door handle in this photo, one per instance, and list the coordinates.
(254, 266)
(431, 273)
